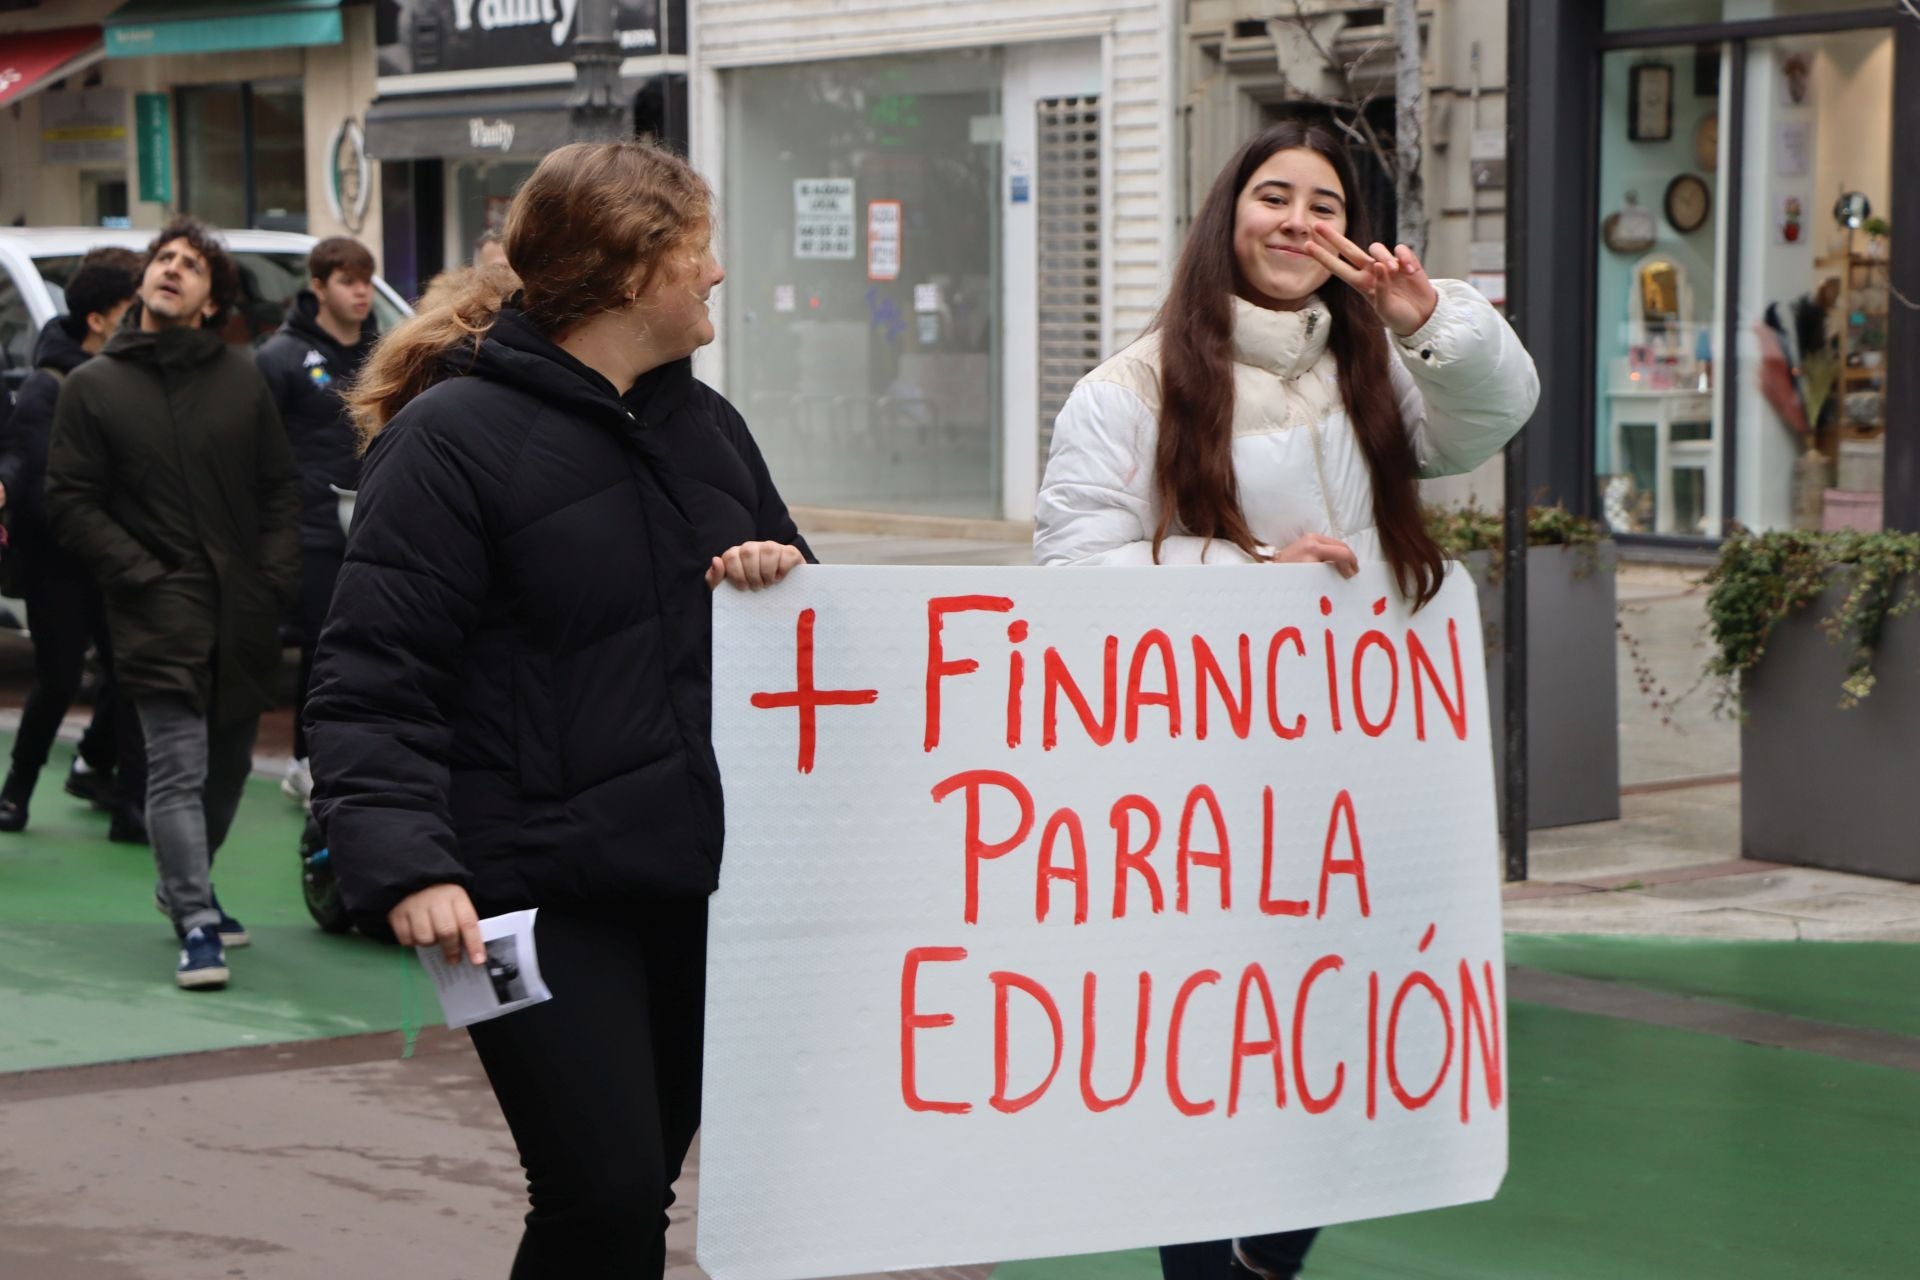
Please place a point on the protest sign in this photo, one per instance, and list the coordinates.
(1072, 910)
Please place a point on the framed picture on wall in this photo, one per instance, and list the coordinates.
(1650, 102)
(1706, 71)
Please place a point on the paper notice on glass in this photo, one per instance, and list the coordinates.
(509, 980)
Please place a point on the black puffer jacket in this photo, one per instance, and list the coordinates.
(512, 692)
(308, 371)
(23, 446)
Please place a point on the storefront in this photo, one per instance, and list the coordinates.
(931, 231)
(1725, 310)
(244, 114)
(471, 98)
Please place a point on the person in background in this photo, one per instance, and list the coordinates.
(64, 610)
(170, 478)
(490, 250)
(511, 705)
(308, 365)
(1281, 410)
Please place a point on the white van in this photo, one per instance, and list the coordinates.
(36, 262)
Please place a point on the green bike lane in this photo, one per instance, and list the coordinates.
(1638, 1150)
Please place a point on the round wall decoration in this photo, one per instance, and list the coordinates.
(1630, 229)
(349, 175)
(1688, 202)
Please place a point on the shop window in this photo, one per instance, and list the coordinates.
(483, 191)
(1789, 432)
(1814, 287)
(862, 243)
(1659, 438)
(243, 155)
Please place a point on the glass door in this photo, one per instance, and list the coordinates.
(863, 302)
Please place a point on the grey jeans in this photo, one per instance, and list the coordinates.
(195, 775)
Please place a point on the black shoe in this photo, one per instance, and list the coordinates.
(93, 786)
(127, 827)
(13, 814)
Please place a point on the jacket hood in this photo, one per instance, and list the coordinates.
(57, 348)
(519, 355)
(303, 321)
(1286, 343)
(177, 348)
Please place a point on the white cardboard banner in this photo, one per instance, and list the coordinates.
(980, 821)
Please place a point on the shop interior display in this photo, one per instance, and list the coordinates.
(1854, 433)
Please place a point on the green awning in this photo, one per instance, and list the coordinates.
(145, 28)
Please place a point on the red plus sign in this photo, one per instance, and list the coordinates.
(804, 696)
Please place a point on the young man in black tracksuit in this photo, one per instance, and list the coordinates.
(308, 365)
(64, 609)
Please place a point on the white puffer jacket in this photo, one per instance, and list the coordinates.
(1465, 385)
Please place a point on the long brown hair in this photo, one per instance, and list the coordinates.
(596, 223)
(1193, 463)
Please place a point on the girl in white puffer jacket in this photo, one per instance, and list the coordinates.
(1272, 413)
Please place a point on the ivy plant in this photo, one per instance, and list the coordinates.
(1762, 579)
(1460, 530)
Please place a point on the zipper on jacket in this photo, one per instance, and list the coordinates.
(1326, 493)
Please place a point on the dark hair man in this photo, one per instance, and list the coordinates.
(62, 601)
(170, 477)
(308, 365)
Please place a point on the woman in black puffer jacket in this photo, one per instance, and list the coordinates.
(510, 705)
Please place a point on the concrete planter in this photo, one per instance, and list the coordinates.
(1823, 787)
(1573, 704)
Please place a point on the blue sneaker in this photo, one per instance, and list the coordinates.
(232, 932)
(203, 965)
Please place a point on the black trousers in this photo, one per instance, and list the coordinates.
(318, 570)
(64, 615)
(601, 1086)
(1281, 1254)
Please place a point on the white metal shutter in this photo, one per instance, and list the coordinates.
(1067, 207)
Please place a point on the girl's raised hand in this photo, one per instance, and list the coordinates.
(1392, 280)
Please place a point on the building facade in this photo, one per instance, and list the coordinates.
(1246, 64)
(118, 114)
(935, 219)
(1718, 290)
(473, 94)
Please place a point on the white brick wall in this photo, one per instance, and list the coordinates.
(1138, 37)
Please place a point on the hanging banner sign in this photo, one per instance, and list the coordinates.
(153, 137)
(883, 239)
(1073, 910)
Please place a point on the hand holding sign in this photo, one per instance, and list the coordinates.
(752, 566)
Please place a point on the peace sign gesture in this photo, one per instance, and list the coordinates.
(1393, 281)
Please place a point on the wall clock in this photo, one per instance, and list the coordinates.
(1688, 203)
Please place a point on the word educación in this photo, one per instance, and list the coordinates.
(1463, 1003)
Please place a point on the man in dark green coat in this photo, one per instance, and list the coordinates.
(170, 477)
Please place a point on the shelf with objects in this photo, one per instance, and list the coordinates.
(1853, 432)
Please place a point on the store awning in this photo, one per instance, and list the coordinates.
(427, 126)
(145, 28)
(30, 60)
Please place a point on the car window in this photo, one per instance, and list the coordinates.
(267, 282)
(16, 325)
